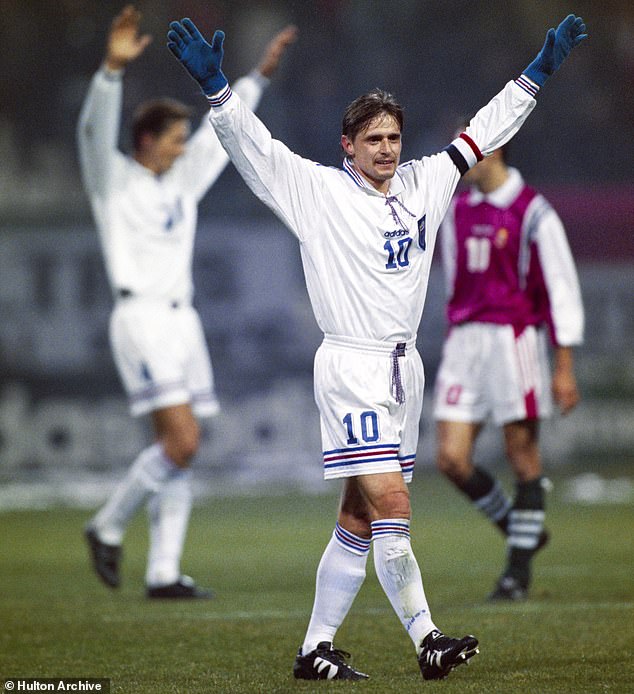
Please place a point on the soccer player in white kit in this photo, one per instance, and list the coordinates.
(145, 208)
(366, 233)
(510, 278)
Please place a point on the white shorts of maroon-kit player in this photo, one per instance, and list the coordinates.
(495, 372)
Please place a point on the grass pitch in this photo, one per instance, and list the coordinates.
(575, 634)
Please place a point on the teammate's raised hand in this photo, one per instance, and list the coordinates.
(203, 61)
(276, 49)
(557, 46)
(124, 41)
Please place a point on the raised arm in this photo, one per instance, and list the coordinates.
(99, 120)
(275, 174)
(205, 158)
(497, 122)
(491, 127)
(557, 46)
(125, 43)
(275, 49)
(250, 88)
(202, 60)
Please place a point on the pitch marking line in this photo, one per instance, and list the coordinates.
(248, 615)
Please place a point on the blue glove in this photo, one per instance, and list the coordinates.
(200, 59)
(558, 44)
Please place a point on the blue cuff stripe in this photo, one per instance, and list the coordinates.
(527, 85)
(220, 98)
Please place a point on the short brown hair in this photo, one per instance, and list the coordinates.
(155, 117)
(364, 109)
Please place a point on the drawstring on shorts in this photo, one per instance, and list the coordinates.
(397, 385)
(394, 350)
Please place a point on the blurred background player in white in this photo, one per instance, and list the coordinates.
(367, 233)
(145, 208)
(510, 279)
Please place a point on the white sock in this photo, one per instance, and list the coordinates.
(339, 576)
(400, 578)
(168, 512)
(145, 476)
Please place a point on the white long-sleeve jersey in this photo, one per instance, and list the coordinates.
(366, 255)
(146, 222)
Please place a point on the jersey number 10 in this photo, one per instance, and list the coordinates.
(399, 256)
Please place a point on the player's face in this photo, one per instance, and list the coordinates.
(165, 149)
(376, 151)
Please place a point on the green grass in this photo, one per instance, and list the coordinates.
(575, 635)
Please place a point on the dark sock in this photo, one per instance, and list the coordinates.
(478, 485)
(526, 523)
(485, 492)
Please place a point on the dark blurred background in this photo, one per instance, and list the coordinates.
(61, 408)
(442, 60)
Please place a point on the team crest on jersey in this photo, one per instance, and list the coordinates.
(422, 241)
(501, 237)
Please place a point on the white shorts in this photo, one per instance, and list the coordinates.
(488, 371)
(162, 358)
(364, 429)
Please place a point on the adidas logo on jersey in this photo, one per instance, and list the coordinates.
(395, 234)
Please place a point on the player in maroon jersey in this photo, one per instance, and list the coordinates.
(510, 279)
